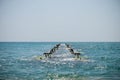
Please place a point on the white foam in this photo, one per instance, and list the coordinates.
(68, 59)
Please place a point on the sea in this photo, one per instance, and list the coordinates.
(18, 61)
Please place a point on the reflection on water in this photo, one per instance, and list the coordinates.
(100, 62)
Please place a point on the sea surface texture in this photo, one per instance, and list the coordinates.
(19, 61)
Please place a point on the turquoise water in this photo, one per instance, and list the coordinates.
(17, 62)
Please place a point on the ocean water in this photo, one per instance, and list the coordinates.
(17, 62)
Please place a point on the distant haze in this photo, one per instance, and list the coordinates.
(59, 20)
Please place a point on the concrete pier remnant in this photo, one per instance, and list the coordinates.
(61, 50)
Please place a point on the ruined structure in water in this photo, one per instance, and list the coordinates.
(62, 51)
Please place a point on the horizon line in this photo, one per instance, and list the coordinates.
(59, 41)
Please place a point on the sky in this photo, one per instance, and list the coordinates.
(59, 20)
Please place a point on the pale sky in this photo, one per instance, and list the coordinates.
(59, 20)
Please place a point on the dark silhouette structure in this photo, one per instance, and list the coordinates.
(48, 55)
